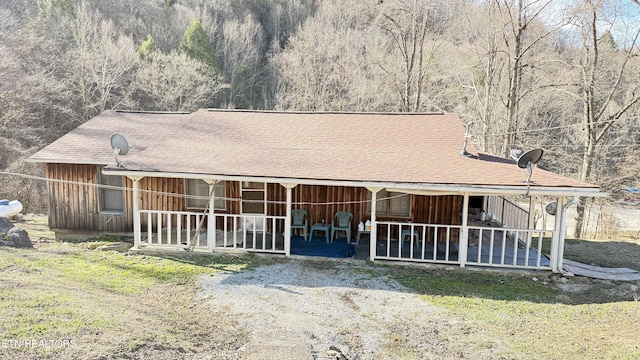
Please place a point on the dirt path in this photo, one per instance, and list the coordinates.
(322, 310)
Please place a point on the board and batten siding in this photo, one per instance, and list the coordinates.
(322, 202)
(74, 201)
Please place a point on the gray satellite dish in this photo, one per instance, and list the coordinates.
(551, 208)
(528, 160)
(120, 146)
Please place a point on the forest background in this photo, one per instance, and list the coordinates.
(562, 75)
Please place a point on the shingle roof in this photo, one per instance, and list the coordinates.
(370, 147)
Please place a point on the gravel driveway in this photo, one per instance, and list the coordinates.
(311, 309)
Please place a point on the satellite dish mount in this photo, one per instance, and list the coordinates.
(120, 146)
(528, 161)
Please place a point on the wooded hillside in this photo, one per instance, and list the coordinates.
(556, 74)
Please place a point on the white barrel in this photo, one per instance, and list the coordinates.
(10, 208)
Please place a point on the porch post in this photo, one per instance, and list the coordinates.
(562, 232)
(555, 239)
(287, 220)
(373, 235)
(211, 221)
(136, 211)
(464, 235)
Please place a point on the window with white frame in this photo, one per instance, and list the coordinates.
(111, 193)
(197, 191)
(390, 203)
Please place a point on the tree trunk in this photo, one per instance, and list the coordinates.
(585, 172)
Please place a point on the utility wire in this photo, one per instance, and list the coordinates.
(562, 126)
(187, 196)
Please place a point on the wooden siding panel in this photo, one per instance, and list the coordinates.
(74, 204)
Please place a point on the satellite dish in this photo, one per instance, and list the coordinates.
(530, 158)
(551, 208)
(120, 146)
(527, 161)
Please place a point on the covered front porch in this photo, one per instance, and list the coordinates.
(473, 241)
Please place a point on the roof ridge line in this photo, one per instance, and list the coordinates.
(152, 112)
(323, 112)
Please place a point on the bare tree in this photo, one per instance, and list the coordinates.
(605, 93)
(174, 82)
(406, 24)
(327, 66)
(103, 61)
(241, 54)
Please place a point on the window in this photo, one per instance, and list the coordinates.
(198, 194)
(391, 203)
(111, 196)
(254, 195)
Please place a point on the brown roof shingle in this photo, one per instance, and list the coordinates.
(371, 147)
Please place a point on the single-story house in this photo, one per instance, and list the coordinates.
(215, 180)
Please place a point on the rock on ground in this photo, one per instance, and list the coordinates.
(13, 236)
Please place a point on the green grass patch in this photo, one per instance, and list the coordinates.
(607, 253)
(67, 291)
(530, 314)
(497, 286)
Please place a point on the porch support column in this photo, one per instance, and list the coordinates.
(464, 234)
(136, 210)
(557, 235)
(211, 220)
(373, 235)
(563, 225)
(287, 220)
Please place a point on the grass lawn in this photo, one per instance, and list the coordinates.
(67, 300)
(534, 315)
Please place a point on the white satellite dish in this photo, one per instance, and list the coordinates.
(120, 146)
(551, 208)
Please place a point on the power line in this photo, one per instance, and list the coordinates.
(561, 127)
(187, 196)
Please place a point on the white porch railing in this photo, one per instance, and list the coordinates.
(397, 241)
(415, 242)
(505, 247)
(250, 232)
(178, 230)
(493, 247)
(172, 229)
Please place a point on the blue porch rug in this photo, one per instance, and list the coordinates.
(318, 247)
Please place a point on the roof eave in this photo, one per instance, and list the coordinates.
(403, 187)
(67, 161)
